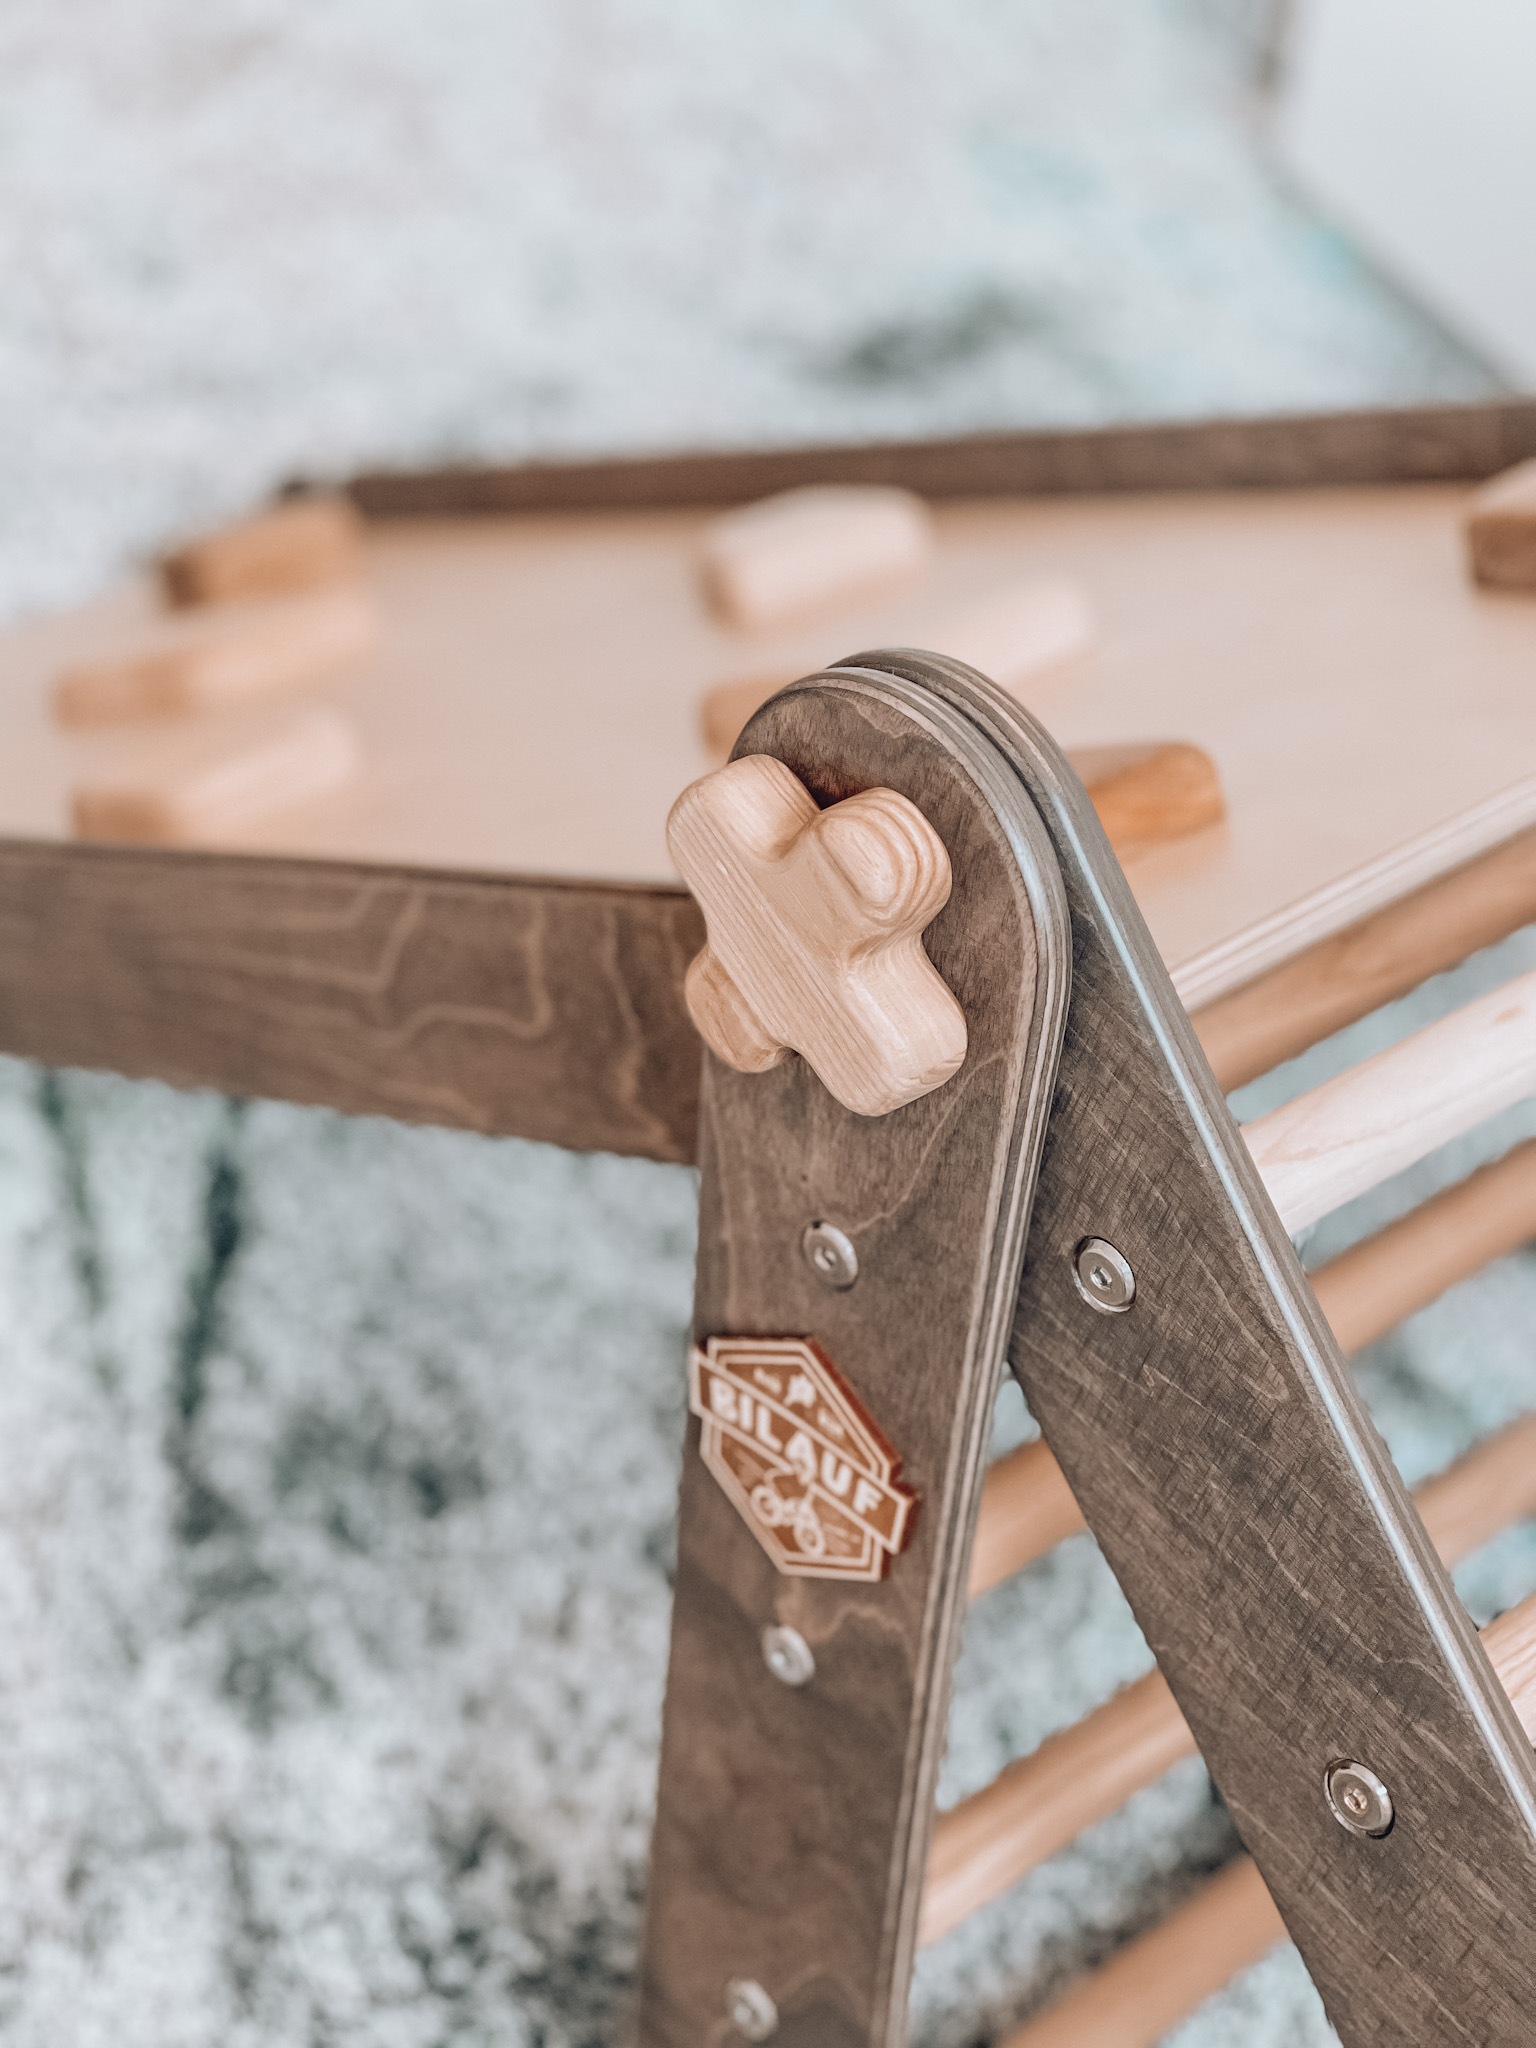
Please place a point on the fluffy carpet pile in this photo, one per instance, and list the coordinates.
(335, 1632)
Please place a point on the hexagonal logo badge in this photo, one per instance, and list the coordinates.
(808, 1471)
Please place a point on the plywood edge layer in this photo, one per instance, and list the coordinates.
(1236, 961)
(1409, 445)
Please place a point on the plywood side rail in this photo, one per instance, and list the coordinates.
(1044, 1801)
(1162, 1976)
(1375, 961)
(1027, 1508)
(1354, 1132)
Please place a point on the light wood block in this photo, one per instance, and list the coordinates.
(219, 659)
(1044, 1801)
(1150, 794)
(805, 549)
(194, 791)
(296, 546)
(1027, 1508)
(1336, 1141)
(815, 921)
(1016, 634)
(1161, 1977)
(1501, 530)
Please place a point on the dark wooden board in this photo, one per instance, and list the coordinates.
(528, 1008)
(1445, 443)
(1239, 1491)
(792, 1826)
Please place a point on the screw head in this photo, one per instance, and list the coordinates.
(830, 1255)
(753, 2013)
(1103, 1276)
(788, 1655)
(1358, 1799)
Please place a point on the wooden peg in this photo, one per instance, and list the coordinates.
(205, 786)
(220, 659)
(806, 548)
(815, 921)
(1150, 794)
(1501, 530)
(1015, 634)
(297, 546)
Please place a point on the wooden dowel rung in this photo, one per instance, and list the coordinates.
(1043, 1801)
(1162, 1976)
(1027, 1507)
(1376, 1284)
(1345, 977)
(1355, 1131)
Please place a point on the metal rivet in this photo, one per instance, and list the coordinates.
(1359, 1800)
(788, 1656)
(830, 1255)
(752, 2011)
(1103, 1276)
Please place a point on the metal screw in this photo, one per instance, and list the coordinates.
(752, 2011)
(830, 1255)
(788, 1656)
(1359, 1800)
(1103, 1276)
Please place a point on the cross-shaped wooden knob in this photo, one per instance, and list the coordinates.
(815, 922)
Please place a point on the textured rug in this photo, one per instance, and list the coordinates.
(334, 1631)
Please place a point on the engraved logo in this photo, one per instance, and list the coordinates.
(810, 1474)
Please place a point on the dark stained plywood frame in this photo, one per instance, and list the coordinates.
(1439, 444)
(1240, 1493)
(187, 966)
(516, 1007)
(793, 1824)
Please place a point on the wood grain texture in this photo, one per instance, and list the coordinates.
(1161, 1977)
(792, 1823)
(803, 550)
(295, 545)
(1040, 1803)
(815, 920)
(1372, 961)
(1501, 530)
(1336, 1141)
(212, 660)
(1246, 1504)
(1417, 444)
(193, 786)
(1027, 1506)
(519, 1008)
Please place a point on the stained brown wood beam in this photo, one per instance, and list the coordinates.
(120, 960)
(534, 1009)
(1418, 444)
(1164, 1975)
(1039, 1804)
(1027, 1507)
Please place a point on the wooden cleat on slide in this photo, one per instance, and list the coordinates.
(1015, 635)
(220, 659)
(301, 545)
(804, 549)
(1501, 530)
(197, 787)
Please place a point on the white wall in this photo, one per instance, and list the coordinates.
(1414, 123)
